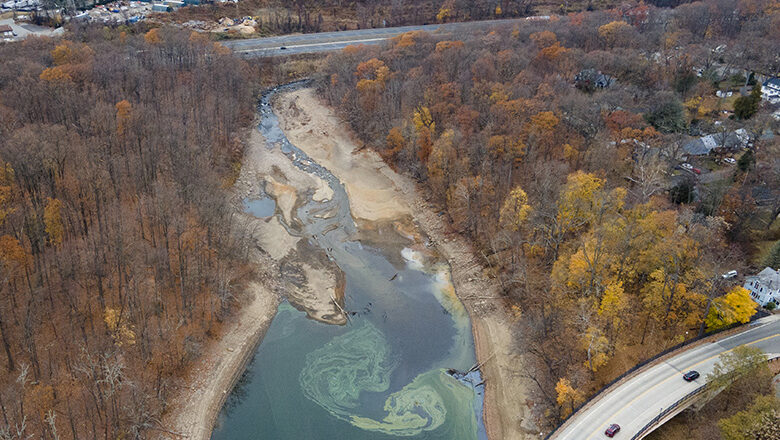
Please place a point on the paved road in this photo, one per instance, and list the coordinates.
(328, 41)
(637, 401)
(23, 31)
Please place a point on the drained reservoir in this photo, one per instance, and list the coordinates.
(390, 372)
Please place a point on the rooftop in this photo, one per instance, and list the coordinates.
(769, 277)
(703, 145)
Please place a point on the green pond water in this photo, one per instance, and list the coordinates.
(384, 375)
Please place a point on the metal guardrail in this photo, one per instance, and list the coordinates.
(674, 406)
(759, 314)
(666, 412)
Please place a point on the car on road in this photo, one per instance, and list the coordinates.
(691, 375)
(687, 166)
(283, 48)
(696, 170)
(730, 160)
(612, 430)
(729, 274)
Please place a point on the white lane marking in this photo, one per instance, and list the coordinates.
(743, 333)
(295, 46)
(626, 387)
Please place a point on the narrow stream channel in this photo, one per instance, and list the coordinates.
(384, 375)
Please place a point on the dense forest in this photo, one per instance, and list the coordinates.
(556, 147)
(119, 256)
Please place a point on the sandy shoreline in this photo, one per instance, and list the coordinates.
(376, 193)
(218, 370)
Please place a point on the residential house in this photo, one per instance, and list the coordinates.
(702, 146)
(770, 90)
(764, 287)
(6, 32)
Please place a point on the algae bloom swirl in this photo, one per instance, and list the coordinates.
(335, 374)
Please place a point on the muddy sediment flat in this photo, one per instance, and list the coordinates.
(346, 226)
(387, 372)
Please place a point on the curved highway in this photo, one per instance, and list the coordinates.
(329, 41)
(638, 400)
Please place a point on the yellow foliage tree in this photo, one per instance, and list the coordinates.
(422, 119)
(444, 14)
(613, 307)
(596, 346)
(52, 218)
(545, 122)
(614, 32)
(578, 198)
(613, 302)
(568, 397)
(589, 266)
(735, 306)
(668, 300)
(63, 53)
(692, 105)
(515, 210)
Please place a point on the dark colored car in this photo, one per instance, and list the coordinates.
(612, 430)
(691, 375)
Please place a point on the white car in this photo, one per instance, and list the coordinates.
(729, 274)
(686, 165)
(730, 160)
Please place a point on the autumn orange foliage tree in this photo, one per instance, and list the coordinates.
(564, 191)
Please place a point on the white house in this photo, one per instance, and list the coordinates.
(770, 90)
(764, 287)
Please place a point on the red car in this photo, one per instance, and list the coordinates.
(696, 170)
(612, 430)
